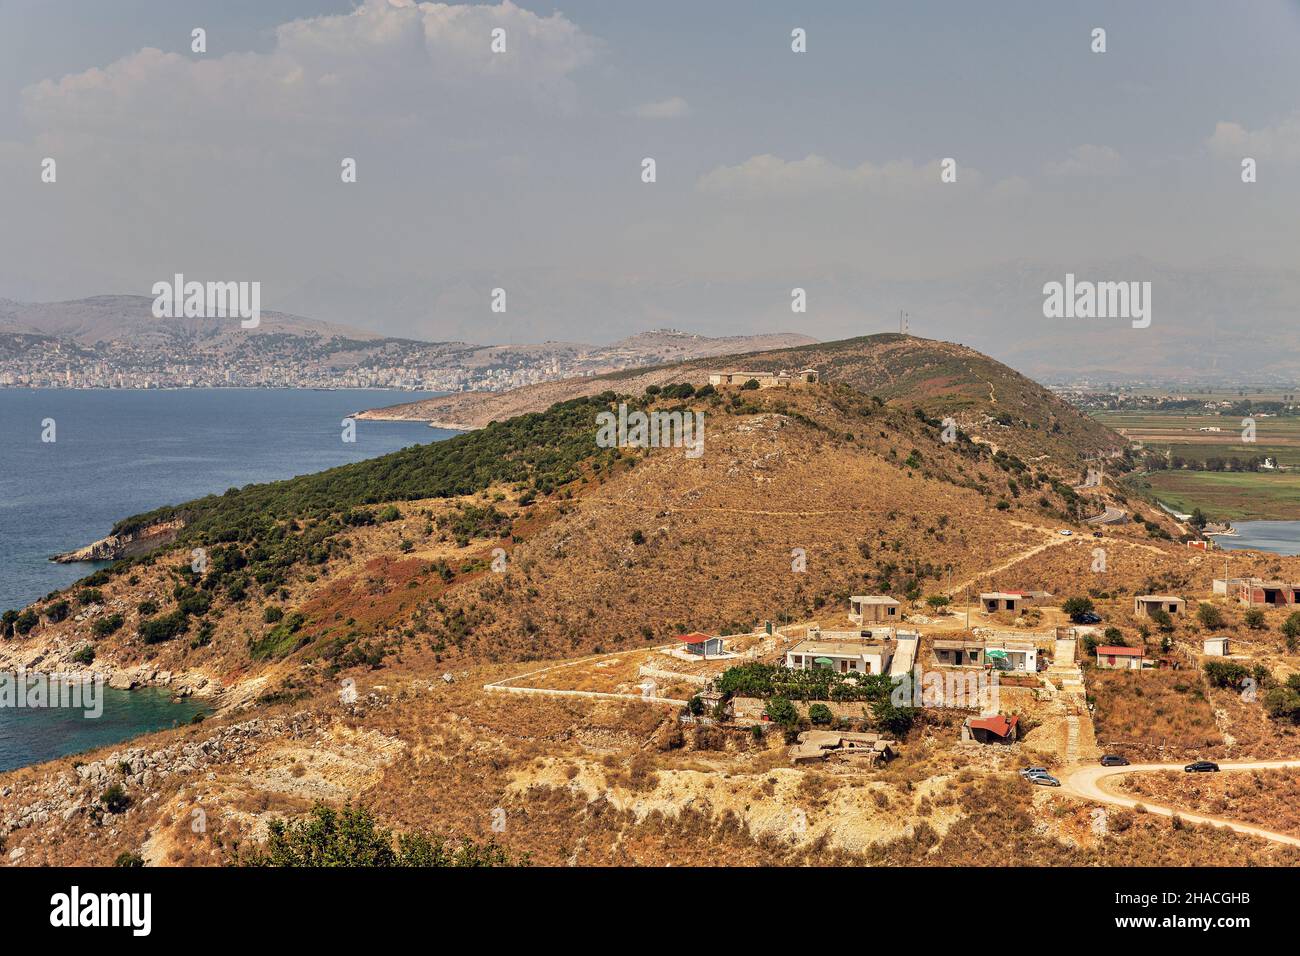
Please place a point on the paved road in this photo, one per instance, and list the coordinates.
(1090, 783)
(1111, 515)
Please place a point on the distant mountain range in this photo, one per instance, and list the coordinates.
(115, 341)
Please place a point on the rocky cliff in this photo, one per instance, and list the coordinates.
(128, 545)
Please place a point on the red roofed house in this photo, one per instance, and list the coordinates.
(997, 729)
(702, 645)
(1120, 658)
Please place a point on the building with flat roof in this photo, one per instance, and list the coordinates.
(994, 601)
(874, 609)
(844, 657)
(1144, 604)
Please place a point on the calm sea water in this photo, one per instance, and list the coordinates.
(30, 735)
(118, 453)
(1280, 537)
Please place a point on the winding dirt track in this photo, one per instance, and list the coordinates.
(1090, 783)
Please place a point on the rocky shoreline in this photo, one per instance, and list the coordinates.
(183, 684)
(115, 547)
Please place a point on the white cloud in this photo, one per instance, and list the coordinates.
(386, 60)
(1280, 143)
(671, 108)
(1088, 160)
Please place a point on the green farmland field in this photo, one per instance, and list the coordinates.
(1234, 496)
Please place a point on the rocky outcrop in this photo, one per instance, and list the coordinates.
(129, 545)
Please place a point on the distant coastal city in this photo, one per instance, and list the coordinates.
(115, 342)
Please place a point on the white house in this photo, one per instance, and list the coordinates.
(1215, 647)
(1012, 655)
(701, 645)
(843, 656)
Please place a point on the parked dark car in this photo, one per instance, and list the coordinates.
(1114, 760)
(1202, 766)
(1089, 617)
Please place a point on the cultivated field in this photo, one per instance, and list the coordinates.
(1230, 496)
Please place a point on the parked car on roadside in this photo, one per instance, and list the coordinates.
(1202, 766)
(1114, 760)
(1090, 617)
(1044, 780)
(1032, 771)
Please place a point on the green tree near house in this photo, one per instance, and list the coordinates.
(782, 713)
(1077, 607)
(1211, 617)
(820, 714)
(1162, 619)
(1291, 630)
(888, 716)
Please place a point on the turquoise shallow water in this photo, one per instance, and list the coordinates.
(33, 734)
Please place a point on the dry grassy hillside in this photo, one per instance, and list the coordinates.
(637, 546)
(652, 545)
(568, 782)
(986, 397)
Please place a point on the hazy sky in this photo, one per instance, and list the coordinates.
(775, 169)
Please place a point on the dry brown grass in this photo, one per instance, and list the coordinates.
(1266, 798)
(1153, 714)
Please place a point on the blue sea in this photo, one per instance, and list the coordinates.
(1280, 537)
(118, 453)
(33, 735)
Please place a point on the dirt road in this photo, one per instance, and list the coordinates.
(1090, 783)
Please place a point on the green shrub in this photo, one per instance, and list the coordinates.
(820, 714)
(115, 799)
(164, 628)
(1211, 617)
(781, 712)
(350, 837)
(1226, 673)
(105, 626)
